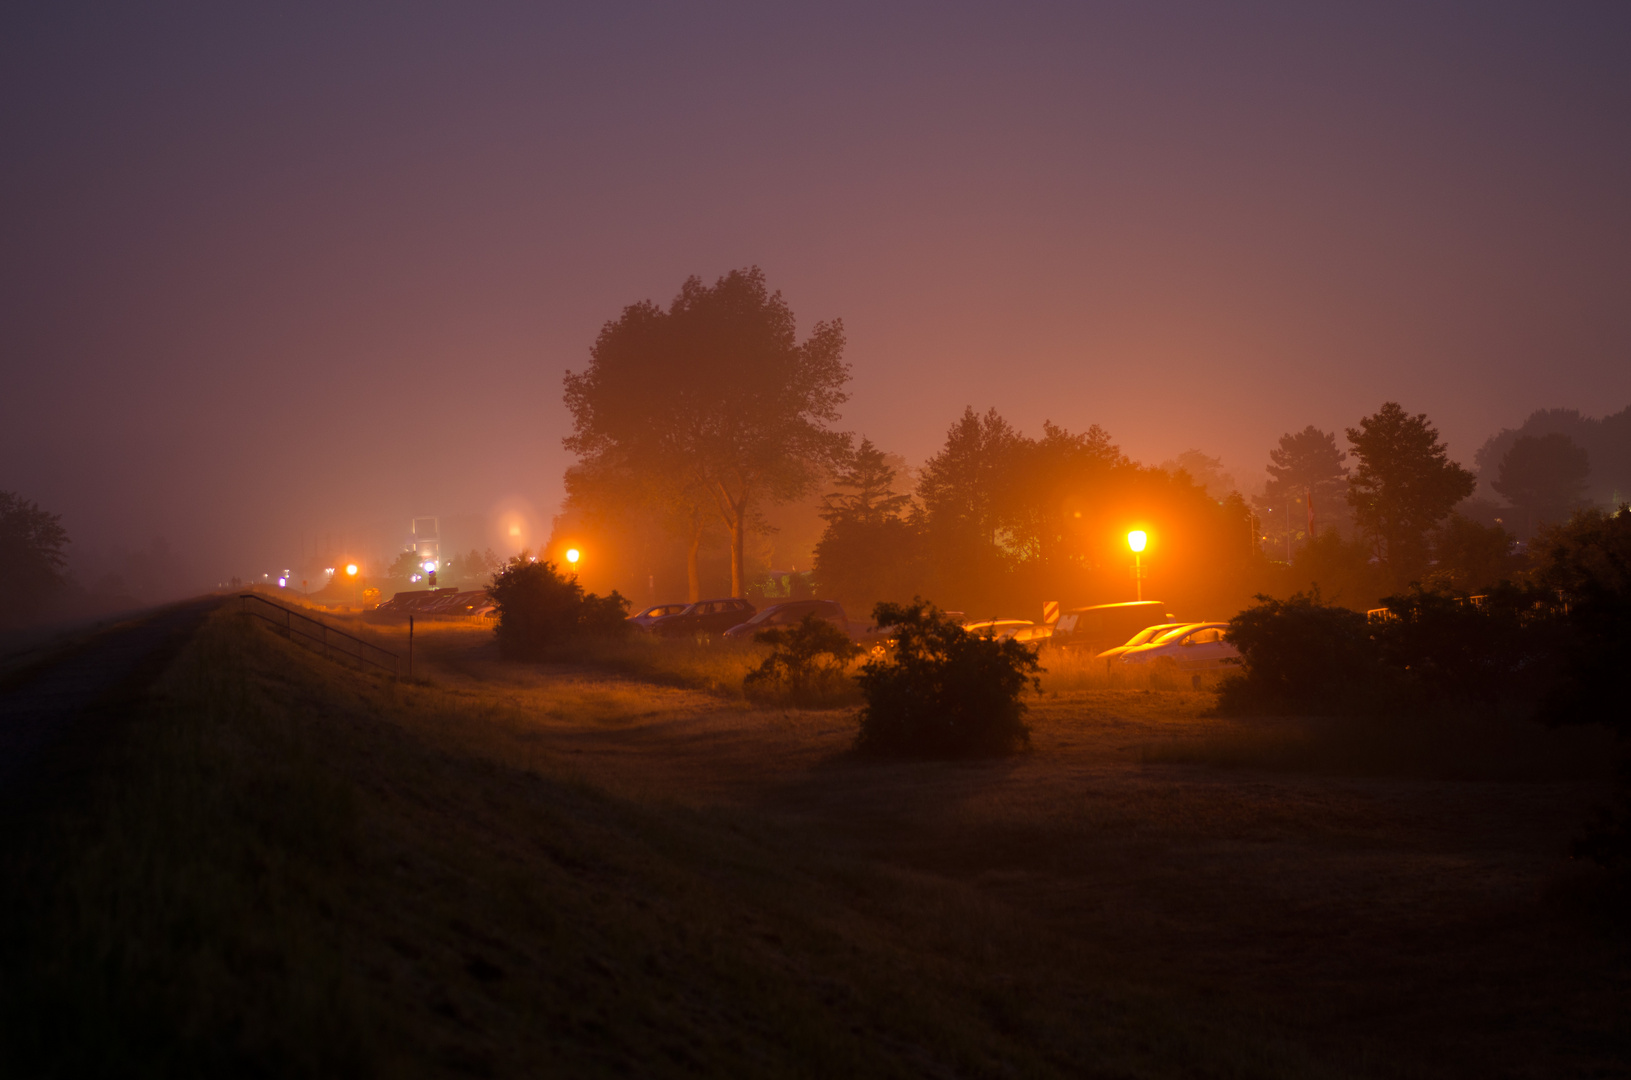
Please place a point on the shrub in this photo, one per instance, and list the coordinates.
(1433, 651)
(540, 611)
(1502, 651)
(806, 665)
(1302, 655)
(942, 691)
(1586, 564)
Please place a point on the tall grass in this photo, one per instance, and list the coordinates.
(1075, 669)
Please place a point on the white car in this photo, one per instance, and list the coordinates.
(1196, 647)
(1143, 637)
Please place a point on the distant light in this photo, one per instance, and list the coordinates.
(351, 569)
(429, 566)
(515, 530)
(328, 570)
(1136, 540)
(282, 582)
(413, 578)
(572, 555)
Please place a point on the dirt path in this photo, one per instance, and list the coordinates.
(44, 704)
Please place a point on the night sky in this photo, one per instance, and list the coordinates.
(269, 275)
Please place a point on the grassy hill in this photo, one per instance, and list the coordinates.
(276, 866)
(281, 866)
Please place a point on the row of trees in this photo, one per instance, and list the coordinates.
(1000, 521)
(702, 415)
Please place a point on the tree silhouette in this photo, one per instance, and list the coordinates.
(31, 557)
(1543, 478)
(714, 396)
(868, 551)
(1306, 461)
(1405, 484)
(867, 474)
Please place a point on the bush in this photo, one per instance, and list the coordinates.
(541, 612)
(942, 691)
(1502, 651)
(1303, 655)
(806, 665)
(1586, 564)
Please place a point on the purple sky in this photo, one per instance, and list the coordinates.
(266, 276)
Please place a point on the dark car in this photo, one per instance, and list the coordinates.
(704, 617)
(790, 614)
(642, 620)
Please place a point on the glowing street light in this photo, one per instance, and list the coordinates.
(351, 569)
(573, 555)
(1136, 540)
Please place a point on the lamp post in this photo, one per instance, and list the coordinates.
(351, 572)
(1136, 540)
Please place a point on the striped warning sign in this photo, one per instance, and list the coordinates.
(1050, 611)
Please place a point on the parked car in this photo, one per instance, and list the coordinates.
(1196, 647)
(642, 620)
(1143, 637)
(704, 617)
(880, 637)
(790, 613)
(1010, 629)
(1104, 626)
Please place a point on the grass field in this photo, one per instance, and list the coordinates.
(617, 866)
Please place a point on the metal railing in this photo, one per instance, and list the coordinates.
(331, 641)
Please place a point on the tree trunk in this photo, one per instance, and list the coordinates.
(693, 580)
(739, 585)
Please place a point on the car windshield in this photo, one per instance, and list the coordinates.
(1178, 632)
(1148, 632)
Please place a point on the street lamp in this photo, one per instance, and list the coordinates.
(573, 555)
(1136, 540)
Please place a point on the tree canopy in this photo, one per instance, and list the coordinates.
(32, 558)
(869, 549)
(1543, 477)
(1405, 484)
(713, 404)
(1306, 461)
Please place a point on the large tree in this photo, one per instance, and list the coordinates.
(714, 397)
(1405, 484)
(1543, 477)
(960, 493)
(31, 557)
(1306, 465)
(961, 487)
(869, 550)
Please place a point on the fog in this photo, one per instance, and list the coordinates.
(273, 283)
